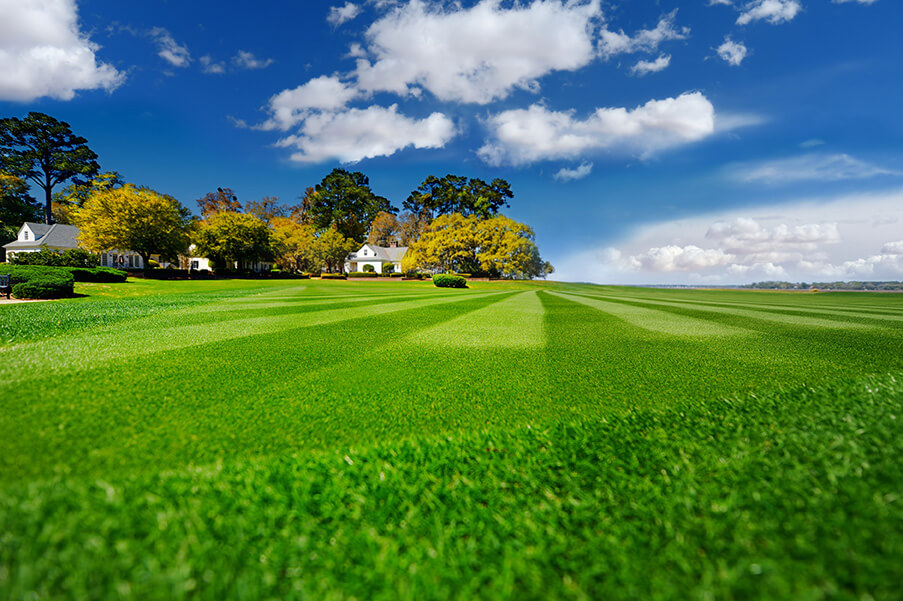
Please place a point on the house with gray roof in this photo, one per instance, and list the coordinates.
(38, 236)
(58, 237)
(377, 257)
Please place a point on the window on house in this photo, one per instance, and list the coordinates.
(25, 233)
(103, 259)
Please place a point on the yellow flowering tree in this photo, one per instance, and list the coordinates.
(134, 218)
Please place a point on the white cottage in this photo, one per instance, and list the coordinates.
(377, 257)
(39, 236)
(59, 237)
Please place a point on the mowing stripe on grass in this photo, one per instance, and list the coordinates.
(761, 315)
(73, 353)
(656, 321)
(850, 312)
(515, 322)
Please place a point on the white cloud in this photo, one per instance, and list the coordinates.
(812, 143)
(168, 49)
(857, 1)
(355, 50)
(732, 52)
(342, 14)
(579, 172)
(659, 64)
(721, 2)
(647, 40)
(290, 107)
(477, 54)
(846, 237)
(523, 136)
(810, 167)
(679, 258)
(208, 65)
(357, 134)
(247, 60)
(44, 53)
(773, 11)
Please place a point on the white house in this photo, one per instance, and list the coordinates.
(38, 236)
(59, 237)
(376, 256)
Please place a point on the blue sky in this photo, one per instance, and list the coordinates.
(703, 141)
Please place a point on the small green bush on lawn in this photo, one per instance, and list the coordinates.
(57, 284)
(97, 274)
(363, 274)
(444, 280)
(369, 269)
(333, 276)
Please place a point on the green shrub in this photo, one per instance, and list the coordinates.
(97, 274)
(369, 269)
(446, 280)
(396, 274)
(362, 274)
(56, 284)
(333, 276)
(108, 275)
(73, 257)
(388, 268)
(414, 275)
(23, 273)
(79, 257)
(153, 264)
(45, 257)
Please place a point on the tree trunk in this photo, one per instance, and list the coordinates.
(146, 259)
(48, 213)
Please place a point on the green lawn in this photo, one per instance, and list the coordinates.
(391, 440)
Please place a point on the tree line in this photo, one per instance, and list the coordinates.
(450, 223)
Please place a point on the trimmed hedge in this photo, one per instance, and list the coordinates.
(333, 276)
(56, 284)
(444, 280)
(363, 274)
(97, 274)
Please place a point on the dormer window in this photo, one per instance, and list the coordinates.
(25, 233)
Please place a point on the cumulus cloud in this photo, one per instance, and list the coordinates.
(168, 49)
(579, 172)
(355, 134)
(679, 258)
(290, 107)
(773, 11)
(44, 53)
(247, 60)
(523, 136)
(645, 67)
(477, 54)
(732, 52)
(810, 167)
(808, 240)
(613, 43)
(208, 65)
(342, 14)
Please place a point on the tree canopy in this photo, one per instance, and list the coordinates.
(458, 194)
(44, 150)
(223, 200)
(134, 218)
(229, 239)
(75, 195)
(344, 202)
(266, 209)
(496, 246)
(295, 245)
